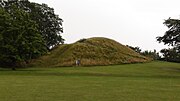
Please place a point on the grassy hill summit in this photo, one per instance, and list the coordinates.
(90, 52)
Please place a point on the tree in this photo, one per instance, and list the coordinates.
(136, 49)
(172, 38)
(49, 24)
(171, 54)
(20, 40)
(152, 54)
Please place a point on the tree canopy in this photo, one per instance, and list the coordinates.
(20, 39)
(172, 38)
(27, 31)
(49, 24)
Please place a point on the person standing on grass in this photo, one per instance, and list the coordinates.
(77, 62)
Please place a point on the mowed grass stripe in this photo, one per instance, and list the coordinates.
(155, 81)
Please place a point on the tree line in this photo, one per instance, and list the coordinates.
(27, 30)
(148, 53)
(171, 38)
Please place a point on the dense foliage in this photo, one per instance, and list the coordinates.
(171, 54)
(27, 30)
(171, 37)
(20, 39)
(49, 24)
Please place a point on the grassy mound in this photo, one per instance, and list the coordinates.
(92, 51)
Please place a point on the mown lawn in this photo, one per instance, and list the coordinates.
(155, 81)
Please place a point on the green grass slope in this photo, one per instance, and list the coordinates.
(92, 51)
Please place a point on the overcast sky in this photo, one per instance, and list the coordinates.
(130, 22)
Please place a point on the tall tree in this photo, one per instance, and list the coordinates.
(172, 36)
(49, 24)
(20, 39)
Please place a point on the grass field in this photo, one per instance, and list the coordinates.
(155, 81)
